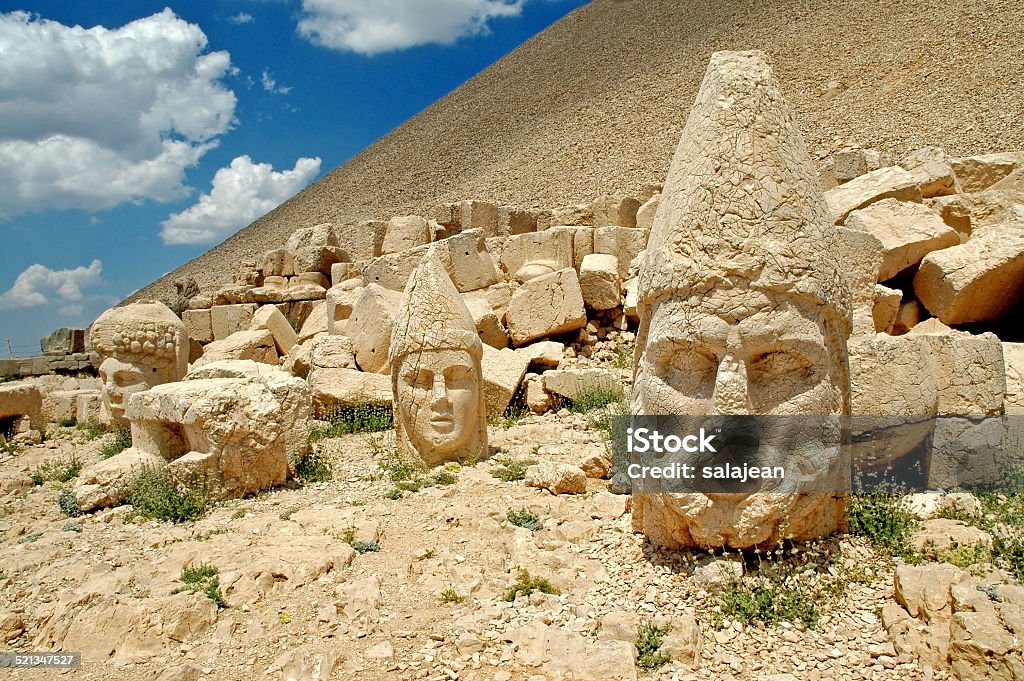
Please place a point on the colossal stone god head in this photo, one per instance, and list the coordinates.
(142, 345)
(436, 378)
(743, 309)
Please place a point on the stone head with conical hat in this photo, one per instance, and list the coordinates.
(743, 309)
(436, 378)
(142, 345)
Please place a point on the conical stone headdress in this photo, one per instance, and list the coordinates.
(433, 316)
(741, 203)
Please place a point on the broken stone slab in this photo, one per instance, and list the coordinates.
(528, 256)
(622, 242)
(512, 220)
(545, 306)
(619, 211)
(392, 270)
(107, 482)
(362, 241)
(931, 169)
(405, 232)
(537, 398)
(885, 307)
(279, 262)
(257, 345)
(340, 301)
(370, 326)
(487, 308)
(228, 319)
(467, 261)
(229, 368)
(63, 341)
(503, 371)
(645, 214)
(318, 236)
(574, 384)
(578, 215)
(335, 389)
(599, 281)
(269, 318)
(980, 280)
(22, 400)
(315, 322)
(885, 183)
(924, 590)
(862, 259)
(199, 325)
(479, 215)
(582, 242)
(316, 259)
(562, 654)
(331, 352)
(938, 535)
(557, 478)
(851, 162)
(543, 355)
(310, 279)
(907, 232)
(978, 173)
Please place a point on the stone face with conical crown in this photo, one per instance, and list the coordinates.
(436, 377)
(744, 311)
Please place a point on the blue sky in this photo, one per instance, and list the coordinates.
(135, 135)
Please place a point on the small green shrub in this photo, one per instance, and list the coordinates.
(450, 595)
(361, 546)
(526, 585)
(203, 578)
(512, 470)
(313, 466)
(369, 417)
(595, 397)
(71, 527)
(648, 642)
(121, 440)
(68, 504)
(69, 422)
(445, 477)
(524, 517)
(394, 494)
(884, 520)
(63, 469)
(778, 590)
(93, 429)
(155, 496)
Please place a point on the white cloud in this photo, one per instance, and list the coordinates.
(374, 26)
(91, 118)
(240, 193)
(271, 86)
(39, 285)
(241, 18)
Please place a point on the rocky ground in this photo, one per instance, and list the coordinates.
(297, 595)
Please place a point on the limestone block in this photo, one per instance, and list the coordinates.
(907, 317)
(537, 398)
(629, 306)
(467, 261)
(885, 307)
(345, 388)
(579, 214)
(545, 306)
(980, 280)
(907, 232)
(275, 282)
(624, 243)
(315, 322)
(978, 173)
(488, 312)
(257, 345)
(228, 319)
(314, 259)
(969, 373)
(480, 215)
(862, 258)
(527, 256)
(599, 281)
(645, 214)
(543, 355)
(503, 371)
(340, 271)
(340, 301)
(862, 191)
(199, 325)
(512, 221)
(571, 384)
(614, 211)
(229, 368)
(363, 241)
(310, 278)
(582, 242)
(370, 326)
(270, 318)
(392, 270)
(557, 478)
(89, 406)
(106, 483)
(318, 236)
(1013, 363)
(405, 232)
(22, 399)
(184, 423)
(63, 341)
(936, 178)
(279, 262)
(331, 352)
(851, 162)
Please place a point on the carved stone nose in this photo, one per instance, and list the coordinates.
(730, 396)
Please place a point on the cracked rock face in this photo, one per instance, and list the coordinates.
(436, 377)
(743, 310)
